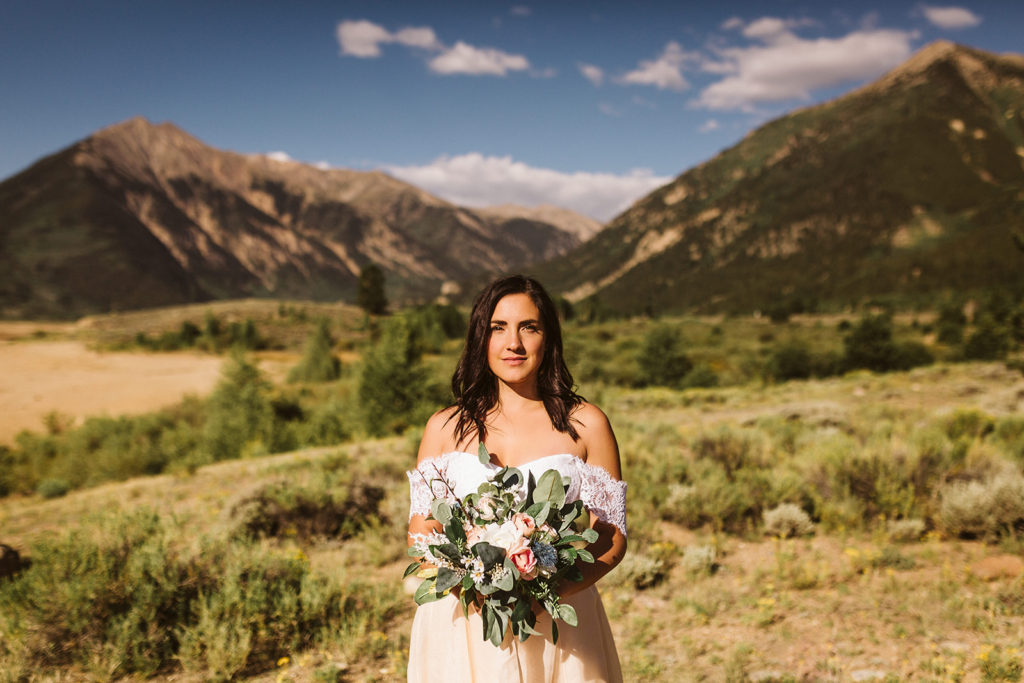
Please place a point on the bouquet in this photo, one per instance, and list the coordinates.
(504, 548)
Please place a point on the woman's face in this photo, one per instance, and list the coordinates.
(516, 346)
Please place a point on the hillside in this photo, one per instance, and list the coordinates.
(911, 186)
(141, 215)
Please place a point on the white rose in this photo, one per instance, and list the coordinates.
(502, 536)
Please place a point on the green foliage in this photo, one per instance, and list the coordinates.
(239, 411)
(989, 341)
(951, 322)
(790, 361)
(370, 290)
(318, 363)
(327, 508)
(990, 508)
(870, 346)
(394, 388)
(53, 488)
(127, 595)
(662, 358)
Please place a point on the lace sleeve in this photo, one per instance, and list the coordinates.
(421, 479)
(603, 495)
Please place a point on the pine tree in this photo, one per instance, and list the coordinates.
(318, 363)
(370, 295)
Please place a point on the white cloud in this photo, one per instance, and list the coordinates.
(477, 180)
(951, 17)
(609, 109)
(421, 37)
(788, 67)
(709, 125)
(664, 73)
(279, 156)
(731, 24)
(594, 74)
(466, 59)
(361, 38)
(520, 11)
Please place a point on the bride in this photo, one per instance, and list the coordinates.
(514, 394)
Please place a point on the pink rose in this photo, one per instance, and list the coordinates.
(523, 559)
(474, 535)
(525, 524)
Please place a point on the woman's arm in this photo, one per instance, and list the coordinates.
(432, 445)
(602, 451)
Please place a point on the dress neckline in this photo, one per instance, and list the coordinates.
(522, 464)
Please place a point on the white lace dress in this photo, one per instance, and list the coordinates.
(447, 646)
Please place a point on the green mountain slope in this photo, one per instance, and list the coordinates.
(908, 187)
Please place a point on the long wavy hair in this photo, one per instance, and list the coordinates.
(475, 386)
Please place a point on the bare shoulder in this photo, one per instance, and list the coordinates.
(598, 438)
(438, 434)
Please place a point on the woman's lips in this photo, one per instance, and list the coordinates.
(514, 361)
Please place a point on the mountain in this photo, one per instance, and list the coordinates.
(908, 187)
(140, 215)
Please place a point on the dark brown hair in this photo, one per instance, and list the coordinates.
(474, 385)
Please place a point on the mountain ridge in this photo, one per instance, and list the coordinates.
(907, 186)
(141, 214)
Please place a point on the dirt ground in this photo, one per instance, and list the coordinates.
(39, 377)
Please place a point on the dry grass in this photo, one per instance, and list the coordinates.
(837, 606)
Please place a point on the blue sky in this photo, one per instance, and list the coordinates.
(582, 104)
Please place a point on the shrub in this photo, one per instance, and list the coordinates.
(790, 361)
(869, 344)
(283, 510)
(732, 449)
(122, 596)
(394, 391)
(53, 488)
(989, 341)
(905, 530)
(700, 377)
(640, 570)
(700, 559)
(787, 520)
(239, 411)
(661, 358)
(950, 323)
(983, 509)
(318, 363)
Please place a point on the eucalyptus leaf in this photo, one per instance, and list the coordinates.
(567, 613)
(510, 477)
(467, 582)
(554, 631)
(412, 551)
(425, 593)
(483, 454)
(449, 550)
(441, 510)
(542, 513)
(585, 555)
(507, 582)
(454, 530)
(489, 554)
(411, 569)
(589, 535)
(550, 489)
(446, 579)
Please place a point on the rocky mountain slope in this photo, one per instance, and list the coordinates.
(909, 187)
(141, 215)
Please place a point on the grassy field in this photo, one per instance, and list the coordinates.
(712, 600)
(848, 526)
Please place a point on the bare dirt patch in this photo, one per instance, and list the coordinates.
(39, 377)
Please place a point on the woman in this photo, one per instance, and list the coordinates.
(514, 394)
